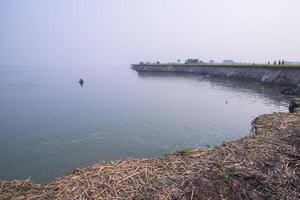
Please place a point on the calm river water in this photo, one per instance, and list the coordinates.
(49, 125)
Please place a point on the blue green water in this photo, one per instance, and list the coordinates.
(49, 125)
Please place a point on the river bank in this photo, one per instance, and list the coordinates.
(282, 75)
(263, 165)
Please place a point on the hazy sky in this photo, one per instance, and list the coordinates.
(117, 32)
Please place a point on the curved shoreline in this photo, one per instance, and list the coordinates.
(289, 76)
(264, 165)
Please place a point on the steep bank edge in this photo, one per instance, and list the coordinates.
(289, 76)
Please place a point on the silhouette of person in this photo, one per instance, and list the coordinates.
(81, 82)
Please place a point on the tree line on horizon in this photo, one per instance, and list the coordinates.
(280, 62)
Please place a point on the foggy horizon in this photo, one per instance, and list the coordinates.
(80, 33)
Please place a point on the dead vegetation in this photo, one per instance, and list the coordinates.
(264, 165)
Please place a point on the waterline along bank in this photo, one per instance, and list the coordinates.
(282, 75)
(263, 165)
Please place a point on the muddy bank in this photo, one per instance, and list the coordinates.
(264, 165)
(289, 76)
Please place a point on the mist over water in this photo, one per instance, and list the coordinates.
(50, 125)
(97, 32)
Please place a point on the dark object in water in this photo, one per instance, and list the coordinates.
(81, 82)
(295, 105)
(288, 91)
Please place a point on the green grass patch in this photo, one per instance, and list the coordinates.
(186, 152)
(209, 145)
(173, 145)
(226, 177)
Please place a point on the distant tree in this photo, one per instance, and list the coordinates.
(178, 60)
(268, 62)
(275, 62)
(157, 62)
(141, 63)
(282, 62)
(279, 62)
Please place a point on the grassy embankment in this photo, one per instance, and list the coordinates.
(225, 65)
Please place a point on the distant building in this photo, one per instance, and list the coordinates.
(228, 62)
(292, 62)
(211, 62)
(192, 61)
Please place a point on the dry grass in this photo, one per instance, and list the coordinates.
(264, 165)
